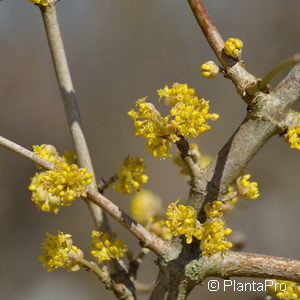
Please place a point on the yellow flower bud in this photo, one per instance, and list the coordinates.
(209, 70)
(233, 47)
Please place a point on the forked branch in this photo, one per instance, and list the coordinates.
(147, 239)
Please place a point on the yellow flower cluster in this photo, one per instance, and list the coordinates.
(47, 152)
(105, 247)
(285, 290)
(233, 47)
(202, 160)
(153, 127)
(215, 237)
(67, 181)
(59, 252)
(145, 205)
(246, 189)
(40, 2)
(130, 176)
(50, 153)
(41, 197)
(183, 221)
(213, 234)
(293, 137)
(188, 119)
(209, 70)
(189, 114)
(214, 209)
(60, 186)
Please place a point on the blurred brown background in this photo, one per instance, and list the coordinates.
(119, 51)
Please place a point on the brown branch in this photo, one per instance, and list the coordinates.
(104, 184)
(147, 239)
(268, 115)
(184, 149)
(234, 70)
(250, 265)
(134, 264)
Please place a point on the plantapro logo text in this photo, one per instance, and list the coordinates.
(214, 285)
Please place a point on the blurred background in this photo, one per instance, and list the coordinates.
(119, 51)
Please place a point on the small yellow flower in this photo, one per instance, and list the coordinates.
(60, 186)
(209, 70)
(214, 209)
(47, 152)
(40, 2)
(293, 137)
(188, 118)
(130, 176)
(145, 205)
(233, 47)
(67, 181)
(41, 197)
(183, 221)
(106, 247)
(246, 189)
(179, 92)
(59, 252)
(285, 290)
(153, 127)
(215, 238)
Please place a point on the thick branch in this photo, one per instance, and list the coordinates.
(69, 100)
(287, 91)
(231, 160)
(248, 265)
(268, 115)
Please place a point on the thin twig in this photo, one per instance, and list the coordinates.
(93, 267)
(184, 149)
(262, 85)
(25, 153)
(70, 103)
(234, 70)
(135, 263)
(104, 184)
(147, 239)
